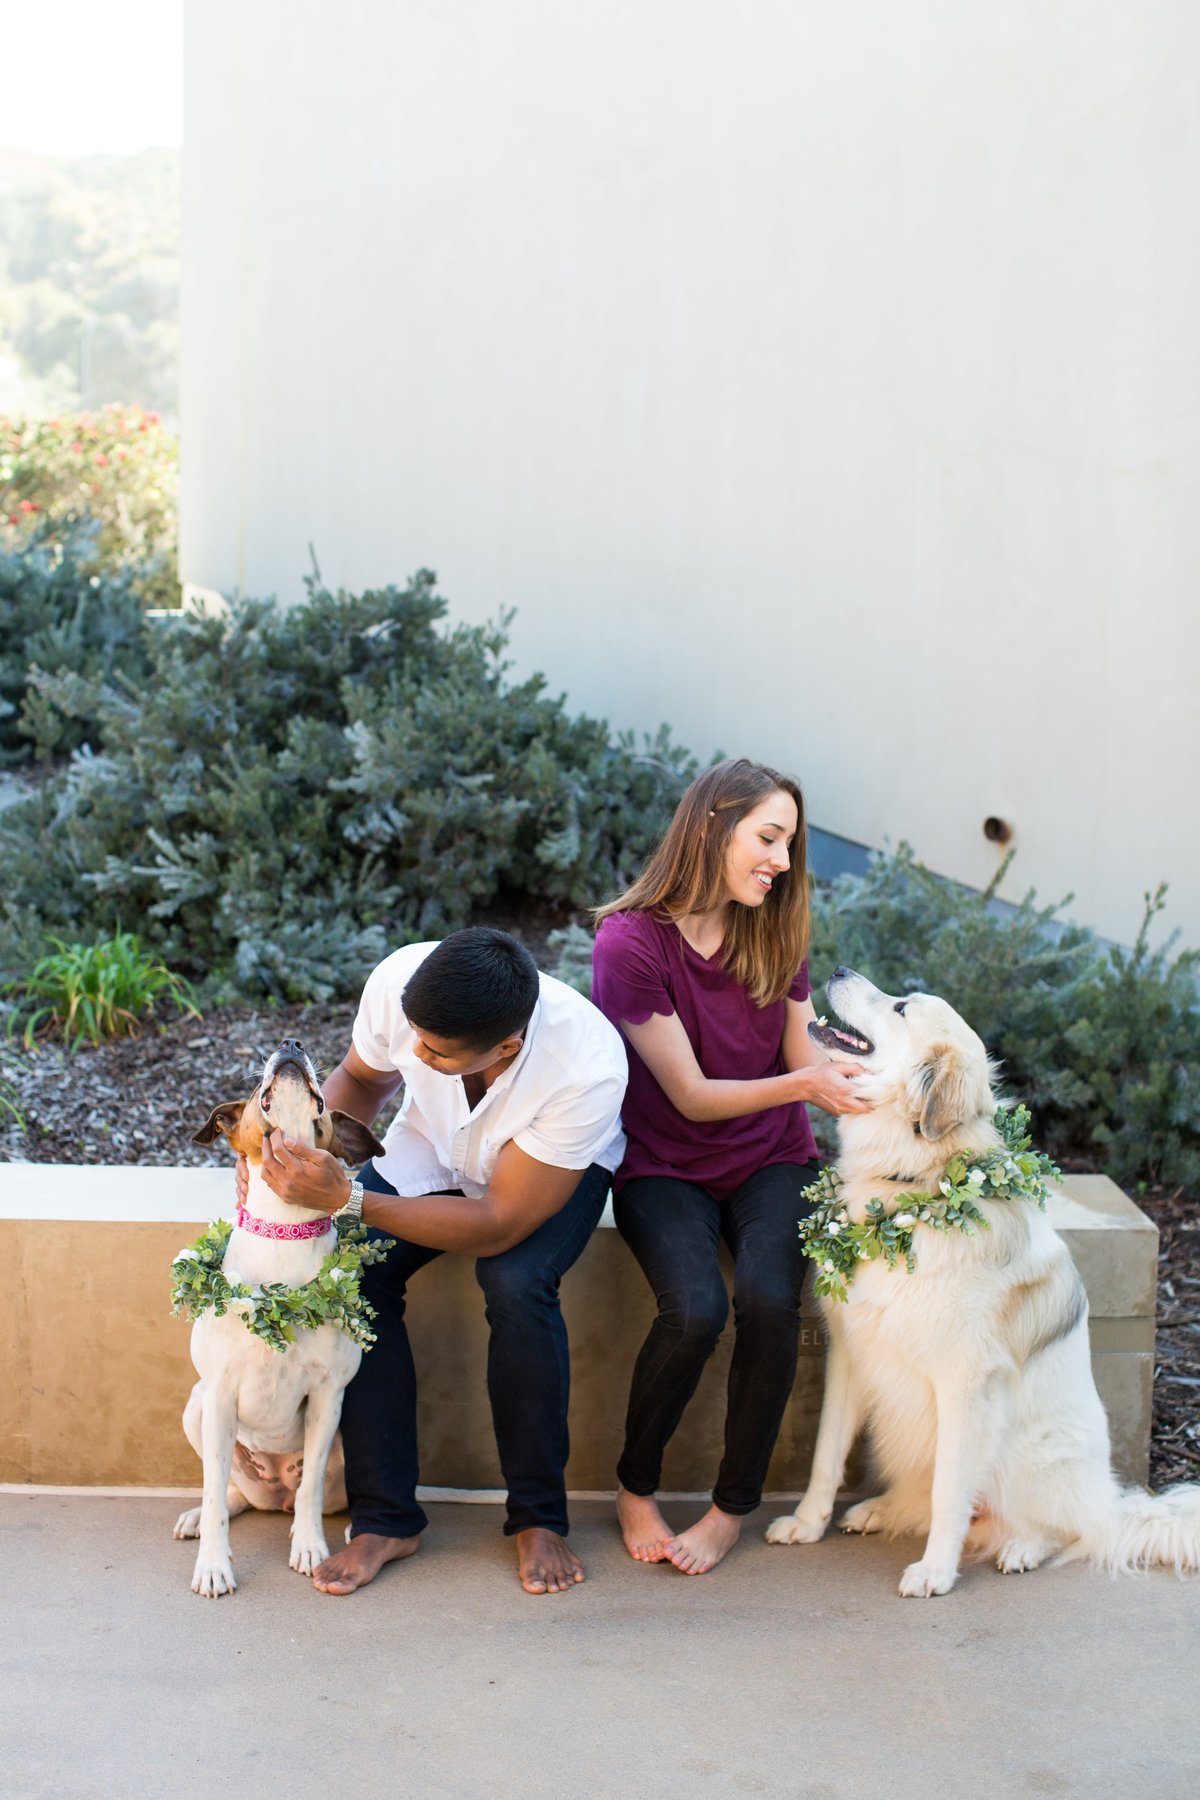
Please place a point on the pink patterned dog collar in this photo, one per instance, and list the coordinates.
(311, 1228)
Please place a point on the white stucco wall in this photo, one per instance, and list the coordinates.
(817, 375)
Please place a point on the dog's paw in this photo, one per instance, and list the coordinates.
(921, 1580)
(307, 1555)
(792, 1529)
(187, 1525)
(1020, 1554)
(866, 1516)
(213, 1576)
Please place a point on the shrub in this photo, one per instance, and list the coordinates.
(287, 792)
(57, 614)
(85, 993)
(116, 470)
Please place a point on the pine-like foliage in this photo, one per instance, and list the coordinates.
(284, 794)
(60, 613)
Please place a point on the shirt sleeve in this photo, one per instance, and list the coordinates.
(575, 1128)
(800, 989)
(376, 1019)
(628, 978)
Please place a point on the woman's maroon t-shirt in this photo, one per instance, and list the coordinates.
(644, 965)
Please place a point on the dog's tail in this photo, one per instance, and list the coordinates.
(1145, 1531)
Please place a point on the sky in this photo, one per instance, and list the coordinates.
(85, 76)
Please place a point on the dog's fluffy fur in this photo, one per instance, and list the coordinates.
(264, 1423)
(973, 1374)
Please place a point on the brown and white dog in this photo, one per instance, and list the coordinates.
(972, 1374)
(265, 1422)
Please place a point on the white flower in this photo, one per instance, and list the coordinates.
(905, 1219)
(828, 1267)
(975, 1177)
(337, 1275)
(833, 1230)
(944, 1185)
(188, 1256)
(244, 1307)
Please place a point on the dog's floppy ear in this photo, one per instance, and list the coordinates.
(225, 1118)
(945, 1091)
(353, 1141)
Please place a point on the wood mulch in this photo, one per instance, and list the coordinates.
(139, 1100)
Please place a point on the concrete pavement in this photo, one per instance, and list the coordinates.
(790, 1672)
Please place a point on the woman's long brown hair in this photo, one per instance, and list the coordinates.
(764, 945)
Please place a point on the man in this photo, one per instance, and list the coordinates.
(503, 1149)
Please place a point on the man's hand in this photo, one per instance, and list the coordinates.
(304, 1177)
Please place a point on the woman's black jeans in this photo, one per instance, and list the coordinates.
(674, 1228)
(528, 1374)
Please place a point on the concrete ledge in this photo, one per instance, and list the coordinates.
(94, 1371)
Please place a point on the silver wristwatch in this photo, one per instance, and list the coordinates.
(353, 1207)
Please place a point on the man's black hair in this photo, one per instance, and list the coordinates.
(478, 987)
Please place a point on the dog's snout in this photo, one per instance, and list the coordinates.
(291, 1047)
(839, 973)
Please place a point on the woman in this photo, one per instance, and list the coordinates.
(701, 965)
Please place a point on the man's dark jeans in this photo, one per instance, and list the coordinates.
(528, 1374)
(674, 1228)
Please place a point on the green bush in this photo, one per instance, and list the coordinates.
(286, 793)
(58, 614)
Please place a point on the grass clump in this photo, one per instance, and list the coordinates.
(85, 993)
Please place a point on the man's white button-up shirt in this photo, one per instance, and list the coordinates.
(559, 1100)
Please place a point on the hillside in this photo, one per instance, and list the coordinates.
(89, 281)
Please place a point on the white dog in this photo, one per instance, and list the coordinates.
(973, 1371)
(264, 1422)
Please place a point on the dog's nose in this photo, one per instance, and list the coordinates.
(838, 973)
(291, 1047)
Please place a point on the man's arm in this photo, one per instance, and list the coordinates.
(522, 1194)
(356, 1088)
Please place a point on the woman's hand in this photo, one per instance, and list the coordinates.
(831, 1086)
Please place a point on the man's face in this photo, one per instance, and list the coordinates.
(450, 1056)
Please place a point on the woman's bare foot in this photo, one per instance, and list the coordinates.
(546, 1564)
(642, 1526)
(702, 1546)
(361, 1561)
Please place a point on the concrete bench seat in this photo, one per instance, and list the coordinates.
(94, 1370)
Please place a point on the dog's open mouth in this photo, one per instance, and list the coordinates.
(289, 1065)
(842, 1038)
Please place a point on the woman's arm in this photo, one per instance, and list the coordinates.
(665, 1048)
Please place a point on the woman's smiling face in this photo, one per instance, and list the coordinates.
(759, 849)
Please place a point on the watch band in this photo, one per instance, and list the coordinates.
(354, 1205)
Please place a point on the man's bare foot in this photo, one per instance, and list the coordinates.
(546, 1564)
(642, 1526)
(361, 1561)
(702, 1546)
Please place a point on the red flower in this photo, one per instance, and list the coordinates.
(77, 445)
(101, 459)
(28, 506)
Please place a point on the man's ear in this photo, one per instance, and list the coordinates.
(223, 1119)
(353, 1141)
(942, 1091)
